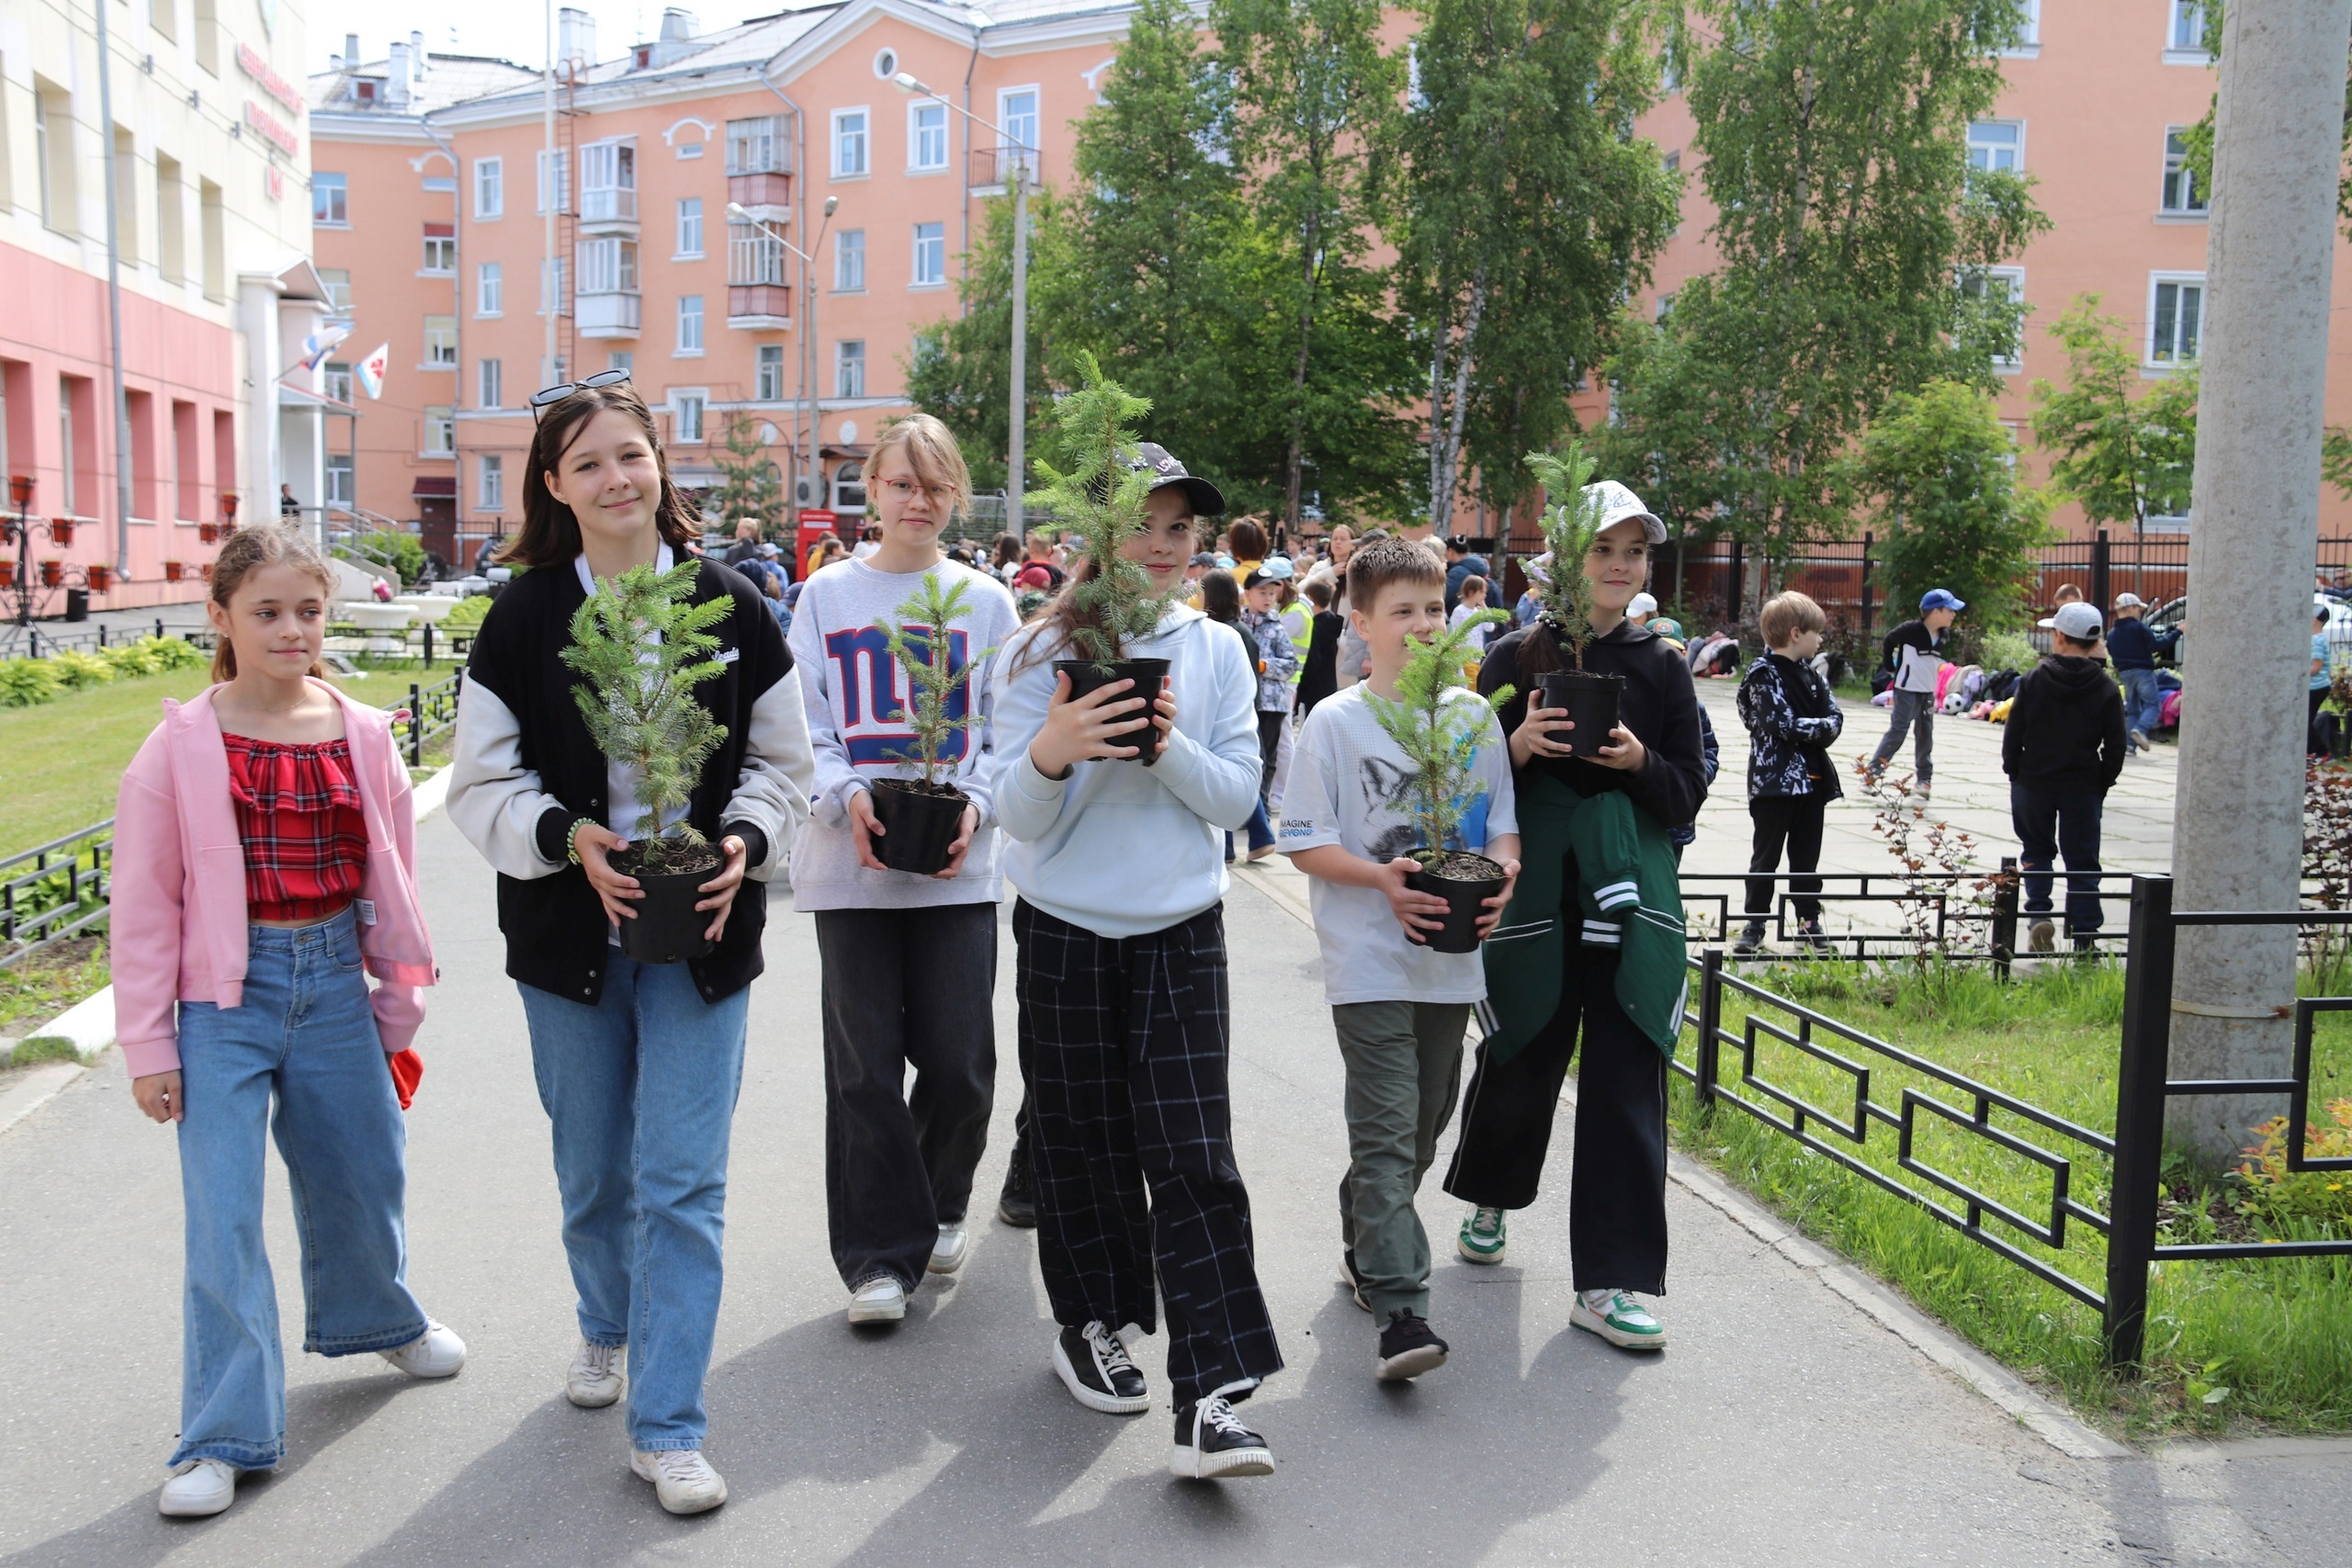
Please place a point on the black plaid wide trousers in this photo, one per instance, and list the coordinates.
(1123, 1042)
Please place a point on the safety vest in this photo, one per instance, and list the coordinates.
(1298, 615)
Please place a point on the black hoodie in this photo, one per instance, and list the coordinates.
(2066, 729)
(1659, 706)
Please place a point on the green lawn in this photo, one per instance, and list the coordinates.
(2275, 1335)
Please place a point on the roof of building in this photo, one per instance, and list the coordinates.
(447, 79)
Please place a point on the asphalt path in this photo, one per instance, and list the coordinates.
(1782, 1427)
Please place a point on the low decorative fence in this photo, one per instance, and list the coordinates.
(40, 641)
(1961, 915)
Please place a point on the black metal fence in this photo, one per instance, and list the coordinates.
(55, 890)
(40, 641)
(1964, 915)
(432, 712)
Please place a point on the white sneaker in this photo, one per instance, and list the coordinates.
(682, 1478)
(878, 1300)
(198, 1487)
(948, 1252)
(598, 1375)
(436, 1353)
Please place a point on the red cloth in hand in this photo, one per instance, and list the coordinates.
(408, 1071)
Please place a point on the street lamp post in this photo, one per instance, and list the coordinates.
(808, 335)
(1022, 156)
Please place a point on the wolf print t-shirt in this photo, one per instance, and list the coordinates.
(1349, 786)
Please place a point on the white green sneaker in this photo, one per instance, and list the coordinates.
(1617, 1317)
(1481, 1238)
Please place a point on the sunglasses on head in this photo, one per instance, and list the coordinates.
(547, 396)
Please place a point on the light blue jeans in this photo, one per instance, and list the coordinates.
(305, 1036)
(641, 1090)
(2143, 703)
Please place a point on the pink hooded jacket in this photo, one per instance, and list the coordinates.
(177, 912)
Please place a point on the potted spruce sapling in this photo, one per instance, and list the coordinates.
(1439, 733)
(1571, 525)
(1101, 494)
(921, 816)
(642, 647)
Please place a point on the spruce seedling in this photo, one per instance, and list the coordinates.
(1100, 495)
(1441, 738)
(642, 645)
(1570, 524)
(919, 642)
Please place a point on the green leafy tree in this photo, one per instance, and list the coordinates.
(1533, 210)
(919, 641)
(1570, 524)
(749, 483)
(641, 646)
(1855, 243)
(1101, 496)
(1940, 470)
(2121, 447)
(1439, 733)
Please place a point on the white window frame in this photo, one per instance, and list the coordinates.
(607, 266)
(767, 373)
(2157, 280)
(761, 134)
(842, 362)
(336, 381)
(754, 255)
(562, 166)
(2178, 16)
(554, 285)
(447, 245)
(689, 414)
(849, 261)
(622, 360)
(440, 432)
(1995, 147)
(847, 476)
(2009, 364)
(489, 482)
(490, 383)
(606, 168)
(341, 479)
(918, 133)
(2177, 162)
(322, 183)
(690, 342)
(1035, 141)
(933, 242)
(860, 140)
(2028, 44)
(490, 189)
(338, 282)
(440, 343)
(689, 228)
(490, 290)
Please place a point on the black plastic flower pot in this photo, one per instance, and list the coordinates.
(919, 824)
(1085, 675)
(1465, 882)
(668, 927)
(1592, 704)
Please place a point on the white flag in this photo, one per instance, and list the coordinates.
(371, 370)
(320, 343)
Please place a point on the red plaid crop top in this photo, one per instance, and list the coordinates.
(297, 811)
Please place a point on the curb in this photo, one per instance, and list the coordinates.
(89, 1024)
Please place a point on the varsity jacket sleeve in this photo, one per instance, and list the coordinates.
(834, 777)
(498, 804)
(1608, 856)
(779, 770)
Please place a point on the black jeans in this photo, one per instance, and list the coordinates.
(904, 986)
(2051, 822)
(1617, 1186)
(1795, 821)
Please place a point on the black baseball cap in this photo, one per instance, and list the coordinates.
(1165, 471)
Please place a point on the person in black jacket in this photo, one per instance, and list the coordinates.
(1320, 678)
(637, 1064)
(2131, 650)
(1617, 1196)
(2063, 750)
(1792, 723)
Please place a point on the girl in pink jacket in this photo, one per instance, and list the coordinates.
(265, 866)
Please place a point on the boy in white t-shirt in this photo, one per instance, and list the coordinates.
(1473, 603)
(1401, 1010)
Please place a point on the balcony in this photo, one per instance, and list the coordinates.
(608, 211)
(991, 167)
(612, 314)
(759, 307)
(767, 196)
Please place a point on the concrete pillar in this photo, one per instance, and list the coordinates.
(2237, 833)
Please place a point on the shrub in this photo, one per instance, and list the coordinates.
(406, 551)
(2275, 1194)
(78, 671)
(470, 613)
(2006, 651)
(27, 682)
(155, 656)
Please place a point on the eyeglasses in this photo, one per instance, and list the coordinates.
(551, 395)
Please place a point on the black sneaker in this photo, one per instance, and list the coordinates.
(1211, 1442)
(1816, 939)
(1409, 1347)
(1751, 937)
(1354, 1281)
(1092, 1362)
(1017, 1204)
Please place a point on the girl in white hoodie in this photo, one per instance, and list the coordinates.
(1121, 980)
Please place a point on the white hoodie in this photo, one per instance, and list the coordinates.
(1117, 848)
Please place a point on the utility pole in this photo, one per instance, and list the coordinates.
(550, 295)
(1016, 458)
(114, 309)
(2237, 824)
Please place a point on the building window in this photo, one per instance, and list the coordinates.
(608, 181)
(685, 410)
(2185, 33)
(330, 199)
(2029, 39)
(849, 143)
(440, 341)
(489, 482)
(338, 282)
(931, 254)
(849, 488)
(440, 433)
(551, 294)
(1017, 112)
(2181, 196)
(489, 290)
(753, 256)
(490, 187)
(1999, 286)
(689, 227)
(769, 387)
(53, 153)
(607, 267)
(492, 386)
(339, 478)
(338, 381)
(1997, 145)
(689, 323)
(849, 367)
(560, 185)
(440, 250)
(849, 262)
(926, 138)
(621, 359)
(755, 146)
(2174, 319)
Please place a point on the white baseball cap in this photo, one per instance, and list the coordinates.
(2076, 620)
(1617, 503)
(1642, 605)
(2130, 602)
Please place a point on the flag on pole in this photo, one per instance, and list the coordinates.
(320, 343)
(371, 370)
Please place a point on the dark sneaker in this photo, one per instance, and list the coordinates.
(1354, 1281)
(1751, 937)
(1408, 1346)
(1092, 1362)
(1212, 1442)
(1816, 939)
(1017, 1204)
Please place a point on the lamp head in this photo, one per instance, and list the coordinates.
(735, 209)
(831, 204)
(909, 83)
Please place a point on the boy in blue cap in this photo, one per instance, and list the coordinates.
(1912, 656)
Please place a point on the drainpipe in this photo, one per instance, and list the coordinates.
(457, 310)
(114, 313)
(808, 415)
(964, 211)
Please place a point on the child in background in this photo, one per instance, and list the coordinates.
(1473, 601)
(1318, 677)
(2063, 749)
(1401, 1010)
(1791, 722)
(1913, 658)
(1277, 662)
(312, 787)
